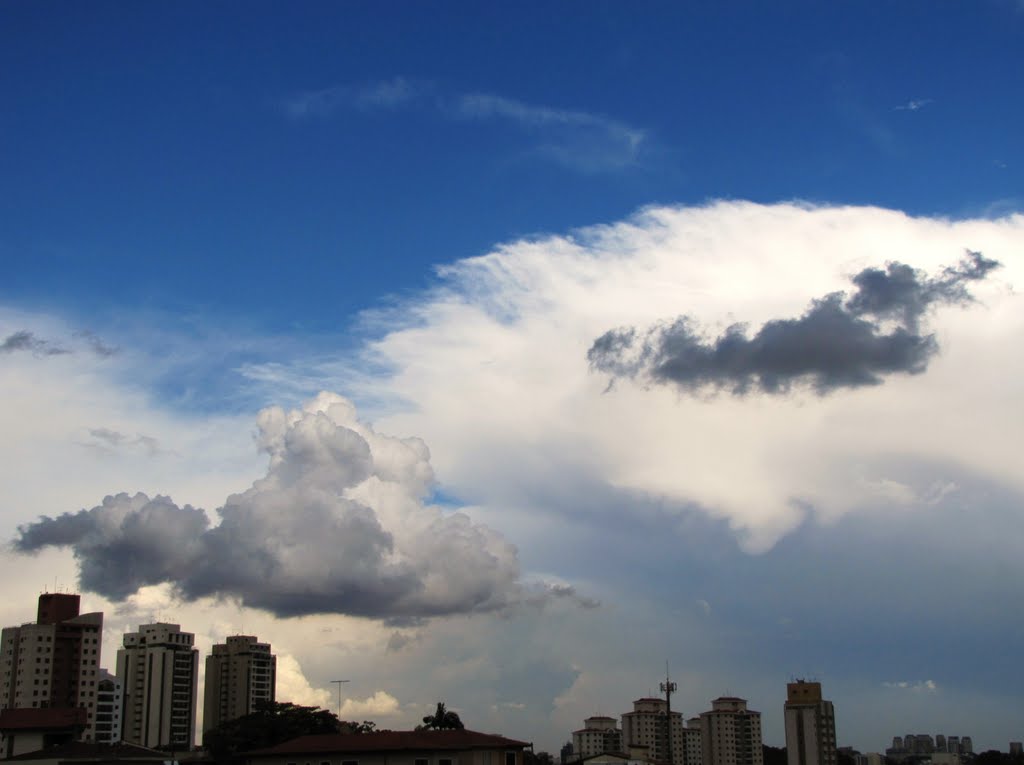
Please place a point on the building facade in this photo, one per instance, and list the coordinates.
(53, 663)
(810, 726)
(239, 673)
(731, 733)
(109, 707)
(159, 668)
(651, 725)
(598, 735)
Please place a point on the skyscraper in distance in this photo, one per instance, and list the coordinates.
(239, 673)
(810, 726)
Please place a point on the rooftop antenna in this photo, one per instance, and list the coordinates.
(339, 682)
(668, 688)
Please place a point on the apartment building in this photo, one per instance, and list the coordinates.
(240, 672)
(54, 661)
(810, 726)
(159, 668)
(731, 733)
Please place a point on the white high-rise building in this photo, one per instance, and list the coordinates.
(648, 726)
(731, 733)
(159, 668)
(109, 706)
(693, 742)
(598, 735)
(810, 726)
(239, 673)
(53, 662)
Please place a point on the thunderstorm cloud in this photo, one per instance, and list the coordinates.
(841, 341)
(338, 525)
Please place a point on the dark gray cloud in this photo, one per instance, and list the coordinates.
(338, 525)
(24, 340)
(841, 341)
(96, 345)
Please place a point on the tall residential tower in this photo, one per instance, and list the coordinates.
(731, 733)
(810, 726)
(239, 673)
(53, 662)
(159, 668)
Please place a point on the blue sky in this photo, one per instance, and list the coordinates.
(507, 238)
(148, 152)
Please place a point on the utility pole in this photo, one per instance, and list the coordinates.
(668, 688)
(339, 682)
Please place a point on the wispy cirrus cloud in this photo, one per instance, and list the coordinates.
(577, 139)
(913, 105)
(928, 686)
(384, 94)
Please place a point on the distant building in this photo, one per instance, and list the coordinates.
(566, 753)
(648, 726)
(239, 673)
(598, 735)
(159, 668)
(693, 742)
(53, 662)
(109, 705)
(731, 733)
(810, 726)
(1016, 748)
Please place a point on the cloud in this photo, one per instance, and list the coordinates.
(925, 686)
(839, 342)
(385, 94)
(577, 139)
(491, 368)
(107, 440)
(380, 704)
(913, 105)
(26, 341)
(292, 685)
(338, 525)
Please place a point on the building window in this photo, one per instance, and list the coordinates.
(510, 758)
(421, 761)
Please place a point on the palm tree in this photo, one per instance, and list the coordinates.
(442, 719)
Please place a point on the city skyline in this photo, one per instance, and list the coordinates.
(498, 355)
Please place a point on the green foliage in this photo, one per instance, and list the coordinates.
(273, 723)
(773, 755)
(442, 719)
(540, 758)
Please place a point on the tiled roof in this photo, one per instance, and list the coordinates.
(38, 719)
(394, 741)
(90, 752)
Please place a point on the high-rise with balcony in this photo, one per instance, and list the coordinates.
(239, 673)
(810, 726)
(53, 662)
(159, 668)
(731, 733)
(650, 725)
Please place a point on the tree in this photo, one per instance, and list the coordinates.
(273, 723)
(442, 719)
